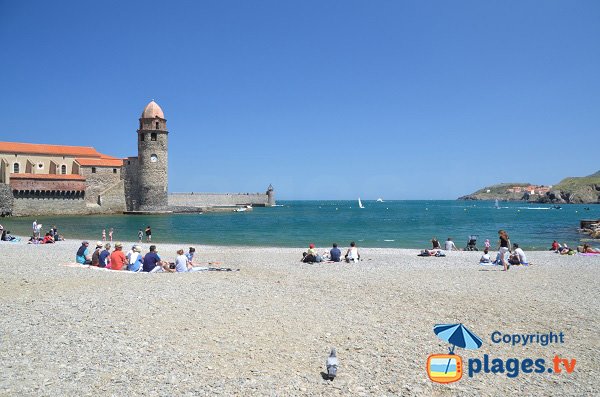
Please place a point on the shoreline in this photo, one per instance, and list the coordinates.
(267, 329)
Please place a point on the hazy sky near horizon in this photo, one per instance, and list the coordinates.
(323, 99)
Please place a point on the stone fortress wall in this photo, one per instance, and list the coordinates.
(201, 200)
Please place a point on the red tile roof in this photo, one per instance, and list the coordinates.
(58, 177)
(60, 150)
(100, 162)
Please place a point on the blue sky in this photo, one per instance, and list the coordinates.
(323, 99)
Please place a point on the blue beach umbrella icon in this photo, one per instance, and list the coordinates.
(457, 335)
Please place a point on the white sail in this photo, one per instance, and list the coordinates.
(360, 204)
(496, 204)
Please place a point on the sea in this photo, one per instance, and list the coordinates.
(387, 224)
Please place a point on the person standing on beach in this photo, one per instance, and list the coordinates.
(110, 234)
(140, 235)
(503, 248)
(148, 234)
(34, 226)
(103, 234)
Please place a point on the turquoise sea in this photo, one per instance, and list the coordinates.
(397, 224)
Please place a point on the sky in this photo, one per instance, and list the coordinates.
(322, 99)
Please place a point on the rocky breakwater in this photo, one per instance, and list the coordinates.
(591, 227)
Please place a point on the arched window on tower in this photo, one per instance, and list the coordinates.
(16, 168)
(63, 169)
(153, 136)
(156, 125)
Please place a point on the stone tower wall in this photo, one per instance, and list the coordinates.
(130, 177)
(152, 183)
(6, 200)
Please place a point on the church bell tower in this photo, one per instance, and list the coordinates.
(153, 159)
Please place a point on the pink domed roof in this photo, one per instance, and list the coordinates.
(152, 110)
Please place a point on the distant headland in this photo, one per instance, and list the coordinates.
(571, 190)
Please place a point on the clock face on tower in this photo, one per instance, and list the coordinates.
(154, 158)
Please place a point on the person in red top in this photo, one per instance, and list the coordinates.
(555, 246)
(118, 260)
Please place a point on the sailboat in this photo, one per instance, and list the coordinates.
(380, 200)
(496, 205)
(360, 205)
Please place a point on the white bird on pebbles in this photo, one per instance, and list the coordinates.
(332, 365)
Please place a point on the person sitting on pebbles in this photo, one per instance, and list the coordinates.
(83, 256)
(118, 261)
(352, 254)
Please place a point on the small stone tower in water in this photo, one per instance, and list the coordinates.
(152, 159)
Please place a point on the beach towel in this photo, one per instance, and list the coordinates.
(589, 253)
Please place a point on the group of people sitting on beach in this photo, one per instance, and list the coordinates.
(564, 249)
(6, 236)
(334, 255)
(134, 261)
(504, 256)
(50, 237)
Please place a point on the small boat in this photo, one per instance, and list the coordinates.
(360, 205)
(243, 209)
(380, 200)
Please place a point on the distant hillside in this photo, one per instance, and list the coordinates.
(497, 192)
(572, 190)
(576, 190)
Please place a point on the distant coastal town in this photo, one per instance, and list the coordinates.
(572, 190)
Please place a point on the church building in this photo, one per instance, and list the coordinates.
(42, 179)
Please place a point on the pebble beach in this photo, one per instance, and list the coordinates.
(267, 329)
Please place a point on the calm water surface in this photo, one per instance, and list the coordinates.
(397, 224)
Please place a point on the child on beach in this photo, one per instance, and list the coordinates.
(190, 255)
(103, 234)
(487, 244)
(110, 234)
(148, 232)
(485, 258)
(140, 235)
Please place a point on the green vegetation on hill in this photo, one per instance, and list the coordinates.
(573, 183)
(584, 189)
(499, 192)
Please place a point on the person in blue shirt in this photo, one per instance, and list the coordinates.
(335, 254)
(190, 255)
(83, 254)
(151, 260)
(105, 256)
(135, 260)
